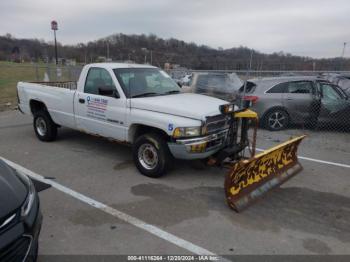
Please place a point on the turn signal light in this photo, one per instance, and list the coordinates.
(198, 148)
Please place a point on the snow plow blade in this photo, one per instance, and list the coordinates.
(250, 179)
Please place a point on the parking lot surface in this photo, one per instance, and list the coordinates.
(310, 214)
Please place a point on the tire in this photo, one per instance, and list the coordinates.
(151, 155)
(45, 129)
(276, 119)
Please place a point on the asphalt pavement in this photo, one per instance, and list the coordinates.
(310, 214)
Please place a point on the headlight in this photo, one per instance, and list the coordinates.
(28, 203)
(187, 131)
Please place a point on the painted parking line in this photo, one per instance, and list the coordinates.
(317, 160)
(118, 214)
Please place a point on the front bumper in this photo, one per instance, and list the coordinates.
(200, 147)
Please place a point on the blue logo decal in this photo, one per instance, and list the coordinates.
(170, 127)
(88, 99)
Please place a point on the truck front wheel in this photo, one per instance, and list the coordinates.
(151, 155)
(45, 129)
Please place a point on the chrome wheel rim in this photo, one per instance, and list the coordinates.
(40, 126)
(148, 156)
(277, 120)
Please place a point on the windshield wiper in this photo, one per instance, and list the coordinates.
(171, 92)
(145, 94)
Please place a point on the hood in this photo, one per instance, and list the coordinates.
(186, 105)
(11, 189)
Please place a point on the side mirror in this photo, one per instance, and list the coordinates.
(108, 91)
(179, 84)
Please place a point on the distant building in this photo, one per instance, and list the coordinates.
(71, 62)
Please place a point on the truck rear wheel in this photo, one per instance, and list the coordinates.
(45, 129)
(151, 155)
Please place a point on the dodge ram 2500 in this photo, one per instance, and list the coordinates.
(136, 104)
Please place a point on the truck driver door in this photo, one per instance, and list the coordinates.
(99, 108)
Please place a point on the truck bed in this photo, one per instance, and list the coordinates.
(58, 98)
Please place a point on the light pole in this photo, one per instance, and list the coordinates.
(54, 27)
(343, 52)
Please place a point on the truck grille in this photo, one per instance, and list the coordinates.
(16, 251)
(216, 123)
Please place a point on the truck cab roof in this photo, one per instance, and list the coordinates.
(119, 65)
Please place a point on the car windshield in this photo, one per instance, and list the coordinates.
(141, 82)
(218, 83)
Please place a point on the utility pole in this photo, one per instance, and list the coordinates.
(144, 49)
(107, 43)
(246, 77)
(341, 62)
(54, 27)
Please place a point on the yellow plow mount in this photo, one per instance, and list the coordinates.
(250, 179)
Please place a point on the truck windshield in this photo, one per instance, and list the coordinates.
(141, 82)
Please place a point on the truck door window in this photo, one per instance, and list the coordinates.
(99, 82)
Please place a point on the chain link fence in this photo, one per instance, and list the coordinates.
(292, 102)
(11, 74)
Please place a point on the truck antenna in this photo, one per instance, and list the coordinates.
(247, 75)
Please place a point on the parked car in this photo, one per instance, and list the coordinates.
(135, 104)
(280, 101)
(220, 85)
(342, 80)
(186, 79)
(20, 216)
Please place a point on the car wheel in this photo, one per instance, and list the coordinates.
(45, 129)
(151, 155)
(276, 119)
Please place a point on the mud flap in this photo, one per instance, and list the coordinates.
(250, 179)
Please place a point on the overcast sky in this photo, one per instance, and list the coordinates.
(301, 27)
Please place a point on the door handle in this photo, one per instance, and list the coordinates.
(289, 98)
(81, 100)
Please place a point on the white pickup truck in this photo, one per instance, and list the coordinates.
(136, 104)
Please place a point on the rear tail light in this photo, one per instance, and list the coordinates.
(253, 99)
